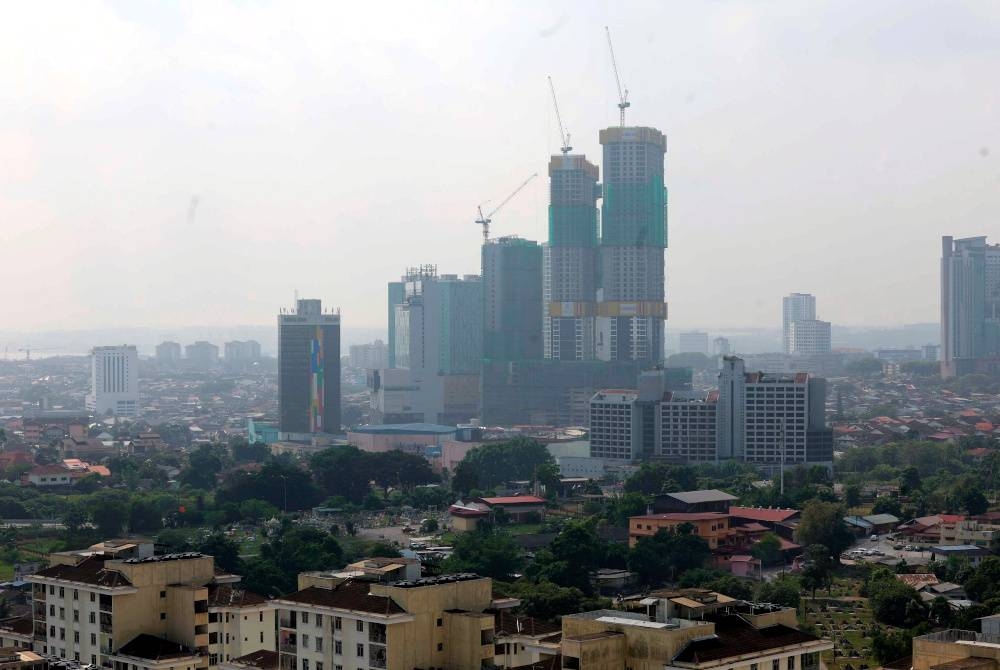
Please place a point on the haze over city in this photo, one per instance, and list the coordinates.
(192, 164)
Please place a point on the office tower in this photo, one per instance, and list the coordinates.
(970, 306)
(308, 370)
(721, 346)
(371, 356)
(512, 299)
(808, 337)
(571, 259)
(114, 381)
(795, 307)
(695, 342)
(202, 355)
(631, 307)
(242, 351)
(731, 411)
(767, 419)
(396, 295)
(930, 352)
(437, 337)
(168, 352)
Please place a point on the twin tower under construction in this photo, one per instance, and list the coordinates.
(604, 296)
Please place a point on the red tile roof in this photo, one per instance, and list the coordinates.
(763, 514)
(514, 500)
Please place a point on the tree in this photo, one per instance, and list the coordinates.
(109, 510)
(223, 550)
(343, 471)
(173, 540)
(852, 495)
(278, 483)
(545, 600)
(204, 463)
(144, 516)
(74, 517)
(973, 500)
(244, 452)
(864, 367)
(892, 601)
(909, 480)
(667, 555)
(488, 554)
(823, 523)
(767, 549)
(817, 569)
(891, 646)
(489, 465)
(784, 590)
(254, 510)
(655, 478)
(887, 505)
(574, 554)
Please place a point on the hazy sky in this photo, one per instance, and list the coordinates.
(195, 163)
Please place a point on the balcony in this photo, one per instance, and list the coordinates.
(105, 603)
(106, 623)
(376, 633)
(376, 656)
(288, 662)
(38, 591)
(39, 632)
(287, 619)
(486, 637)
(201, 607)
(39, 611)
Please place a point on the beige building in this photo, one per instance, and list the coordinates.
(13, 658)
(958, 649)
(15, 632)
(91, 606)
(730, 636)
(360, 625)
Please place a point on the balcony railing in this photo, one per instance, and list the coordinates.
(376, 656)
(376, 633)
(288, 647)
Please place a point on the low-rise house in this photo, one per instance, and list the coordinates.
(707, 500)
(465, 515)
(16, 632)
(971, 552)
(713, 527)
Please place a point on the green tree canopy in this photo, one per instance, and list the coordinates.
(823, 523)
(490, 465)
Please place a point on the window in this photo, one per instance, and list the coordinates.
(76, 637)
(262, 617)
(93, 639)
(305, 617)
(319, 643)
(305, 641)
(163, 594)
(76, 594)
(319, 665)
(338, 647)
(360, 625)
(775, 664)
(439, 623)
(76, 615)
(62, 612)
(52, 590)
(62, 592)
(213, 659)
(62, 634)
(262, 636)
(337, 621)
(319, 620)
(93, 597)
(305, 664)
(92, 617)
(791, 663)
(440, 646)
(361, 650)
(163, 616)
(52, 610)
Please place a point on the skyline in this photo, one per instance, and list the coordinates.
(121, 152)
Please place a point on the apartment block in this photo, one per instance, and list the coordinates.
(697, 630)
(109, 607)
(356, 624)
(713, 527)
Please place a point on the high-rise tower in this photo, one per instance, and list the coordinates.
(631, 307)
(970, 306)
(571, 259)
(308, 370)
(114, 385)
(795, 307)
(512, 299)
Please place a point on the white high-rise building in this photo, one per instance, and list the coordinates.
(795, 307)
(694, 341)
(114, 381)
(808, 337)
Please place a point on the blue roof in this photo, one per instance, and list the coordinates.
(406, 429)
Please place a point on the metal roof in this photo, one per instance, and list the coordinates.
(405, 429)
(706, 495)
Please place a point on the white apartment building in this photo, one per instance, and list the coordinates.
(795, 307)
(114, 381)
(809, 337)
(614, 424)
(687, 428)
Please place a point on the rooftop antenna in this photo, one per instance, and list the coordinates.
(563, 135)
(623, 102)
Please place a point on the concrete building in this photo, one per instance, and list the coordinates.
(436, 622)
(202, 355)
(396, 294)
(693, 342)
(114, 381)
(690, 630)
(570, 259)
(111, 604)
(168, 353)
(795, 307)
(763, 418)
(308, 370)
(931, 352)
(370, 356)
(955, 648)
(970, 306)
(713, 527)
(437, 335)
(415, 438)
(631, 300)
(808, 337)
(239, 351)
(512, 299)
(721, 346)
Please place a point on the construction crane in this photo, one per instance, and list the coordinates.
(563, 135)
(484, 220)
(27, 351)
(623, 102)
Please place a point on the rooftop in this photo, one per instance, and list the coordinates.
(88, 571)
(349, 595)
(706, 495)
(774, 515)
(683, 516)
(405, 429)
(227, 595)
(735, 637)
(154, 648)
(263, 659)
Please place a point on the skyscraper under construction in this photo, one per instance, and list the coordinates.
(631, 307)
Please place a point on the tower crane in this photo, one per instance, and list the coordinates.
(623, 102)
(484, 220)
(563, 135)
